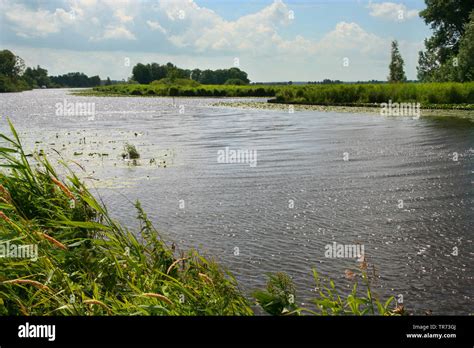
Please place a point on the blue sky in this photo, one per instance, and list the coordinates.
(273, 40)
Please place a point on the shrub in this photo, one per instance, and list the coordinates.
(238, 82)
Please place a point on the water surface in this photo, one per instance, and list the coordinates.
(301, 195)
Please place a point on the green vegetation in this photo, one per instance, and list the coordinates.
(88, 264)
(75, 79)
(11, 67)
(145, 74)
(130, 152)
(449, 54)
(429, 95)
(14, 77)
(176, 82)
(184, 88)
(235, 82)
(450, 95)
(279, 298)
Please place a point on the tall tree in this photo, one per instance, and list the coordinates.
(447, 19)
(397, 74)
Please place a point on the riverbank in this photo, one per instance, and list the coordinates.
(65, 255)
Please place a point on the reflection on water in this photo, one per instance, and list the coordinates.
(398, 186)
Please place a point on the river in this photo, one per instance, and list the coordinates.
(400, 187)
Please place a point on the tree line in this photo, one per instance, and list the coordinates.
(147, 73)
(15, 76)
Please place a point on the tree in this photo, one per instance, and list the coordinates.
(465, 71)
(207, 77)
(397, 74)
(142, 73)
(158, 71)
(75, 79)
(11, 65)
(448, 21)
(37, 77)
(95, 81)
(195, 74)
(151, 72)
(108, 82)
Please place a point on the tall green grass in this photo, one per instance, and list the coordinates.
(88, 264)
(427, 94)
(182, 90)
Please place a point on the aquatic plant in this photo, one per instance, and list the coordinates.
(130, 152)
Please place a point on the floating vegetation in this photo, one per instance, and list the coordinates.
(130, 152)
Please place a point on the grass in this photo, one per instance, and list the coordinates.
(166, 88)
(429, 95)
(88, 264)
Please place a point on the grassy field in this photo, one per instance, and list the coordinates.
(86, 263)
(429, 95)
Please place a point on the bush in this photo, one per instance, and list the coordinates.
(8, 84)
(176, 82)
(237, 82)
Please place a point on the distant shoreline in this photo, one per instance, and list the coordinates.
(281, 98)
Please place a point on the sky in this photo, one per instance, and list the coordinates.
(272, 40)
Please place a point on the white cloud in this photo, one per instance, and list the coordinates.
(391, 11)
(155, 25)
(204, 30)
(350, 38)
(39, 23)
(114, 33)
(122, 17)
